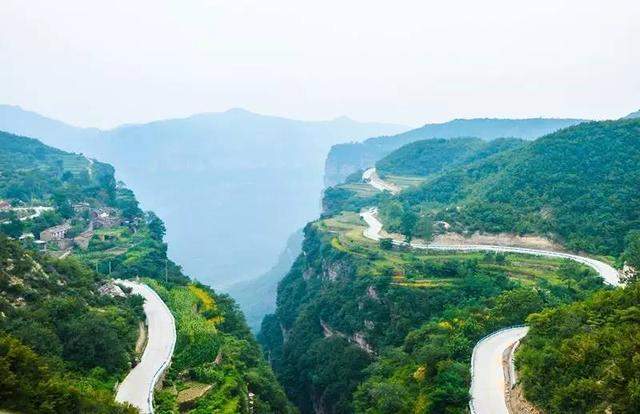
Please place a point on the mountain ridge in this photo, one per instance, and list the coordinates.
(345, 159)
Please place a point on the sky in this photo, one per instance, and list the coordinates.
(105, 63)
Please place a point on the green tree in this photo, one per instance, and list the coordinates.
(12, 228)
(408, 224)
(424, 227)
(386, 243)
(156, 226)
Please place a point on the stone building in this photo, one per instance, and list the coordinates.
(55, 233)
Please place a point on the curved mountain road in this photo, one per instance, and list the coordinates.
(608, 273)
(488, 378)
(137, 388)
(371, 177)
(487, 372)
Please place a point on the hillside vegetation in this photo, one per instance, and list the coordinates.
(423, 158)
(400, 324)
(63, 343)
(344, 159)
(215, 350)
(583, 357)
(577, 186)
(368, 329)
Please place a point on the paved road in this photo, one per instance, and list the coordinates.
(37, 211)
(488, 380)
(137, 387)
(371, 176)
(608, 273)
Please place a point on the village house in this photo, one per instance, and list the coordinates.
(4, 205)
(55, 233)
(105, 218)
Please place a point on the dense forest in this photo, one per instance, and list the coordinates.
(423, 158)
(577, 185)
(64, 344)
(583, 357)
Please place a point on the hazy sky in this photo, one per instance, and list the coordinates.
(102, 63)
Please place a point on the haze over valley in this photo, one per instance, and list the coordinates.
(212, 177)
(290, 207)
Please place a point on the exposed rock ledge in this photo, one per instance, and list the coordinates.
(499, 239)
(356, 339)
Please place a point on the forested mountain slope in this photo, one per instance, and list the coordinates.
(578, 185)
(65, 337)
(426, 157)
(344, 159)
(63, 345)
(583, 357)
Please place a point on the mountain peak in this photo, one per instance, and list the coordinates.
(238, 111)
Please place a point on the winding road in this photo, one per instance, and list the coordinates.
(488, 378)
(137, 388)
(371, 177)
(487, 371)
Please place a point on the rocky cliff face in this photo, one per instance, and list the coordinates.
(332, 320)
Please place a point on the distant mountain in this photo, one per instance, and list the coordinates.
(231, 186)
(344, 159)
(55, 133)
(633, 115)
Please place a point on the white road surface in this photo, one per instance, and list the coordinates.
(37, 211)
(371, 176)
(137, 388)
(488, 380)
